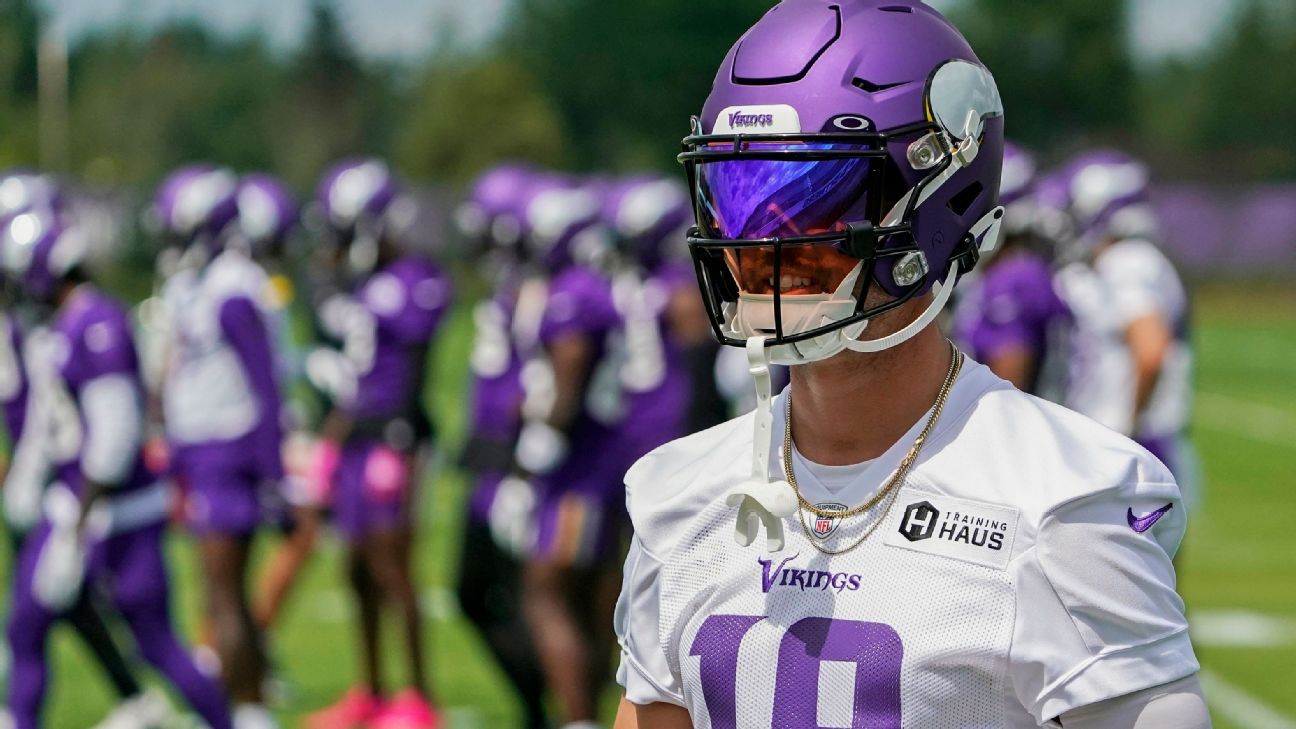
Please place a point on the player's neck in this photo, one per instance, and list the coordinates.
(853, 407)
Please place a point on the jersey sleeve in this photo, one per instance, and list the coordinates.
(244, 328)
(1135, 272)
(1097, 611)
(644, 672)
(101, 347)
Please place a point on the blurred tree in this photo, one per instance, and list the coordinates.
(19, 38)
(1063, 67)
(334, 105)
(468, 113)
(1216, 116)
(143, 105)
(626, 76)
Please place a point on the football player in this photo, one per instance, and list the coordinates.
(24, 192)
(384, 317)
(1008, 315)
(221, 410)
(664, 349)
(506, 329)
(104, 514)
(938, 549)
(568, 459)
(1134, 374)
(267, 220)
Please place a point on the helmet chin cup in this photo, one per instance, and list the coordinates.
(753, 316)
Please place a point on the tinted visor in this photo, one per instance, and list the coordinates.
(749, 197)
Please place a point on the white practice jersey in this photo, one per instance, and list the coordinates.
(206, 393)
(1023, 570)
(1129, 280)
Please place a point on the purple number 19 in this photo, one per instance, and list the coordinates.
(874, 648)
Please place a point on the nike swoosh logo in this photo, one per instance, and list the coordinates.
(1143, 523)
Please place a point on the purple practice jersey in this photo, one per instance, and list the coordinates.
(653, 373)
(496, 368)
(403, 302)
(1013, 306)
(13, 377)
(221, 395)
(580, 303)
(90, 339)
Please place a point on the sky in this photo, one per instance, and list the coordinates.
(403, 29)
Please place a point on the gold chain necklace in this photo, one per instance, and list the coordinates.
(956, 364)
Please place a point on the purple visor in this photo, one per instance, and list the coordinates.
(753, 197)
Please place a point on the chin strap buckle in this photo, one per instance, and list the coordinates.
(759, 500)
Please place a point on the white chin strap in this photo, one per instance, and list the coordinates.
(760, 501)
(943, 289)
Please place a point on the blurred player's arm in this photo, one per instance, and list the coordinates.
(1179, 704)
(542, 444)
(114, 432)
(1149, 339)
(653, 716)
(245, 330)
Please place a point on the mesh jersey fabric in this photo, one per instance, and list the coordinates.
(1076, 608)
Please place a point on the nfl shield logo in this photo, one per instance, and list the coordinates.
(826, 525)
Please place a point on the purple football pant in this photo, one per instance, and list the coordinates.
(222, 501)
(372, 490)
(581, 514)
(131, 567)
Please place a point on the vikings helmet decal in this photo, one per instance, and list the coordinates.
(267, 214)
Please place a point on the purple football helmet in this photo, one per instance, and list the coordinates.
(357, 199)
(488, 215)
(37, 249)
(195, 205)
(1107, 194)
(22, 190)
(559, 218)
(648, 217)
(846, 146)
(267, 214)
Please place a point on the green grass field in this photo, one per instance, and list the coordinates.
(1238, 565)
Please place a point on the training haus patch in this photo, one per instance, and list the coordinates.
(972, 531)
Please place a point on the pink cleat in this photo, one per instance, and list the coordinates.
(355, 710)
(409, 710)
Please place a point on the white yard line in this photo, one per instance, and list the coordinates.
(1240, 707)
(1263, 423)
(1240, 629)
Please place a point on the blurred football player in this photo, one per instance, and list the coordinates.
(103, 516)
(568, 460)
(505, 333)
(221, 409)
(388, 308)
(24, 191)
(1134, 365)
(1008, 315)
(267, 219)
(938, 548)
(664, 349)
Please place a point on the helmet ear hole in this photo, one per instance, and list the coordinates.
(963, 200)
